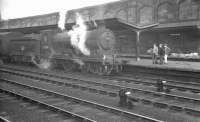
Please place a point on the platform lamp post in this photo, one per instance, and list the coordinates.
(139, 30)
(138, 45)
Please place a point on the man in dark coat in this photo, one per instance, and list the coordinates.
(159, 85)
(161, 53)
(124, 102)
(123, 97)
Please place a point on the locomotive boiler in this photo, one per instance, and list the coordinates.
(100, 42)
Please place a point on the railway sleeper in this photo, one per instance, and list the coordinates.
(3, 119)
(103, 92)
(176, 108)
(83, 88)
(75, 86)
(114, 109)
(93, 90)
(182, 99)
(60, 83)
(68, 84)
(195, 91)
(172, 107)
(180, 88)
(192, 111)
(169, 97)
(196, 101)
(160, 105)
(145, 101)
(165, 105)
(158, 95)
(112, 94)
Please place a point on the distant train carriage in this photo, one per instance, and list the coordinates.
(5, 38)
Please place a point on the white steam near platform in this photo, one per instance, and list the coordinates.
(44, 63)
(11, 9)
(78, 35)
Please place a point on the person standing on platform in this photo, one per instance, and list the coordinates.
(161, 53)
(154, 54)
(166, 53)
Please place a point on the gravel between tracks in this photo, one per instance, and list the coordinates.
(161, 114)
(19, 111)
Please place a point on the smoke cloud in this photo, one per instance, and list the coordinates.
(78, 35)
(61, 23)
(44, 63)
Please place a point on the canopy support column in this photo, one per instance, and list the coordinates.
(138, 45)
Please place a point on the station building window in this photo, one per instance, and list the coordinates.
(188, 10)
(166, 12)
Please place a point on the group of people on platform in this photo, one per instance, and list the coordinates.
(160, 52)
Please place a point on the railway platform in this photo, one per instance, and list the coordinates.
(171, 65)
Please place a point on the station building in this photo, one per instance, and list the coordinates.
(177, 23)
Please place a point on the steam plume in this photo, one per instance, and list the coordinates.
(78, 35)
(44, 63)
(61, 23)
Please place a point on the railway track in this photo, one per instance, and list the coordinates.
(182, 75)
(79, 109)
(171, 84)
(178, 82)
(2, 119)
(16, 92)
(193, 87)
(16, 108)
(188, 105)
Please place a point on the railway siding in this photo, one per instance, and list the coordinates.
(150, 100)
(111, 109)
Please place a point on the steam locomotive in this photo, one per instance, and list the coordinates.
(54, 47)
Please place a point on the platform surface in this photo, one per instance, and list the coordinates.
(175, 65)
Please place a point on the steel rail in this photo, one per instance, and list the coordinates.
(156, 103)
(102, 84)
(73, 115)
(112, 109)
(2, 119)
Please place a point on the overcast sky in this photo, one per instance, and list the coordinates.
(22, 8)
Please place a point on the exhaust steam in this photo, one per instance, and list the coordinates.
(78, 35)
